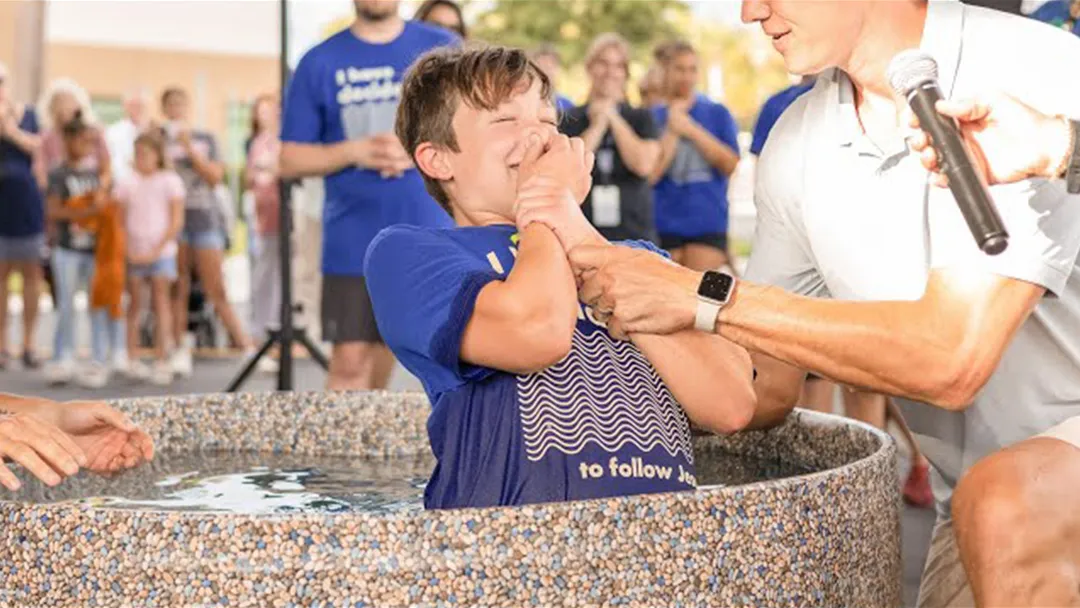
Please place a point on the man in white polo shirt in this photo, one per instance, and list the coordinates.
(901, 300)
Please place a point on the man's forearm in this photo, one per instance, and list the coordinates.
(314, 160)
(716, 153)
(895, 348)
(639, 155)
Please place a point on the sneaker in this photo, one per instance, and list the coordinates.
(266, 365)
(59, 372)
(162, 373)
(120, 363)
(182, 363)
(137, 370)
(30, 360)
(94, 375)
(917, 491)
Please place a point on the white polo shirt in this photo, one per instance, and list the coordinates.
(839, 217)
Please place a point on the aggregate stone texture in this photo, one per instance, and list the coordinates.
(827, 538)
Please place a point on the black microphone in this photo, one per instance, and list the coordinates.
(913, 75)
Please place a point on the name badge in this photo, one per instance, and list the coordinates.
(606, 206)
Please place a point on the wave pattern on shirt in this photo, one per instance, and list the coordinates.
(605, 392)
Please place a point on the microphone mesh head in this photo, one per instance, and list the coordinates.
(909, 69)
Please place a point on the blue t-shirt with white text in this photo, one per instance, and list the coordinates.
(691, 198)
(599, 423)
(345, 89)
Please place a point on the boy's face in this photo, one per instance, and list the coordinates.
(483, 173)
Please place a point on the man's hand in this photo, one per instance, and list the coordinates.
(1010, 140)
(679, 121)
(40, 447)
(639, 291)
(553, 180)
(383, 153)
(109, 440)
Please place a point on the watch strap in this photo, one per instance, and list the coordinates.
(705, 320)
(1072, 169)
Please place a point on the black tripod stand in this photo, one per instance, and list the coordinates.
(288, 333)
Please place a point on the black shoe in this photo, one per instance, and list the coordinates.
(3, 361)
(29, 361)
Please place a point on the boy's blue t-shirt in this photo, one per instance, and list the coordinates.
(346, 88)
(770, 113)
(691, 199)
(599, 423)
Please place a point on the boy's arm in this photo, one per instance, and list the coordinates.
(711, 379)
(525, 324)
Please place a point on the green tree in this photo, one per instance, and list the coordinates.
(571, 25)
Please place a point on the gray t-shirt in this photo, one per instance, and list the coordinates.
(67, 183)
(201, 213)
(839, 217)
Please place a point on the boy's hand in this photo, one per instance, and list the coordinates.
(553, 180)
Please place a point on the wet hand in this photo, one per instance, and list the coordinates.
(40, 447)
(635, 291)
(109, 440)
(554, 178)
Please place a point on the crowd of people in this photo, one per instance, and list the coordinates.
(130, 214)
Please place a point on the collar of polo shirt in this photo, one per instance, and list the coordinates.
(941, 39)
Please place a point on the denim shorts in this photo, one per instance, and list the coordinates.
(203, 239)
(22, 248)
(165, 267)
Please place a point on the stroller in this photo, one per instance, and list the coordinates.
(202, 322)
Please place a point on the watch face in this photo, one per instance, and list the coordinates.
(716, 286)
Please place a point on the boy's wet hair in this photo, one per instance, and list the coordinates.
(483, 77)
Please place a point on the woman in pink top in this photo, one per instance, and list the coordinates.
(153, 201)
(261, 180)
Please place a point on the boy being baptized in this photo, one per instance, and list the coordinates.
(533, 400)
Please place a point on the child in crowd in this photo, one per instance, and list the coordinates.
(152, 197)
(533, 399)
(76, 203)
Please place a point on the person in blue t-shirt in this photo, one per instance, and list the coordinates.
(533, 399)
(1064, 14)
(772, 109)
(699, 152)
(338, 123)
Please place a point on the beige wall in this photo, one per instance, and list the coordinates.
(21, 34)
(212, 80)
